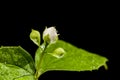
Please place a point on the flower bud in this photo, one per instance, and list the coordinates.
(50, 35)
(35, 37)
(58, 53)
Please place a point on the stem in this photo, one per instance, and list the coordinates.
(39, 70)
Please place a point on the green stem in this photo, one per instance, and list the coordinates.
(38, 71)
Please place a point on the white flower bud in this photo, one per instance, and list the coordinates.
(50, 35)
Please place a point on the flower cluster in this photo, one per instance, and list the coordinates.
(49, 36)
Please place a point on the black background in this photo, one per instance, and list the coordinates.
(89, 27)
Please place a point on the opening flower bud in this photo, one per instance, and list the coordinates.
(50, 35)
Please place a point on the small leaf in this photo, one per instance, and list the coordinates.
(75, 59)
(35, 37)
(15, 62)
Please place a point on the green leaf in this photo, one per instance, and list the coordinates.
(26, 77)
(11, 72)
(74, 59)
(15, 62)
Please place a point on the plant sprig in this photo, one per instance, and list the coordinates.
(53, 54)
